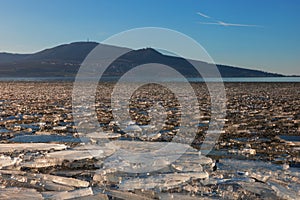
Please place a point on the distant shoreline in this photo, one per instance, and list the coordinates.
(287, 79)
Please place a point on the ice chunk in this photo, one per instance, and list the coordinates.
(6, 161)
(107, 149)
(260, 176)
(283, 192)
(165, 181)
(68, 194)
(187, 167)
(50, 186)
(133, 128)
(46, 177)
(93, 197)
(103, 135)
(174, 196)
(247, 151)
(263, 190)
(60, 128)
(42, 163)
(64, 180)
(125, 195)
(150, 137)
(192, 162)
(19, 194)
(72, 155)
(11, 147)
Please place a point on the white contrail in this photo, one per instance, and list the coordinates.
(203, 15)
(221, 23)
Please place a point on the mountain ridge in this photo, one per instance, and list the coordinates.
(64, 61)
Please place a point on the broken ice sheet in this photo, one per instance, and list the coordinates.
(284, 183)
(180, 157)
(133, 156)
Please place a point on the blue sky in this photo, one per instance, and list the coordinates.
(32, 25)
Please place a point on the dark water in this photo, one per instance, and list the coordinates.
(290, 138)
(45, 139)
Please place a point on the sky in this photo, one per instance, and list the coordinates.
(272, 44)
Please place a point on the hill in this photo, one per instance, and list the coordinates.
(65, 60)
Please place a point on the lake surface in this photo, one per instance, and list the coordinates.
(112, 79)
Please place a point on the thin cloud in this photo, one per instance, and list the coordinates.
(203, 15)
(221, 23)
